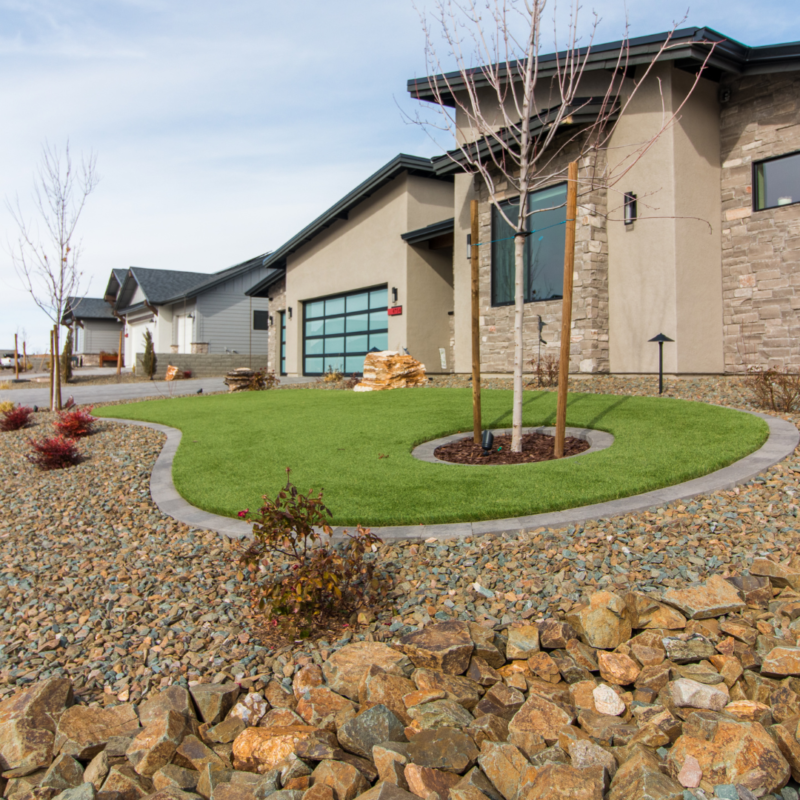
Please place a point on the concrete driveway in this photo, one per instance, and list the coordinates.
(106, 393)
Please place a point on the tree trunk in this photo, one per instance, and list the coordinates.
(519, 310)
(56, 372)
(476, 331)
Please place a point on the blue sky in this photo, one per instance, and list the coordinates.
(223, 128)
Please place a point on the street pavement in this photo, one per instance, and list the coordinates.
(106, 393)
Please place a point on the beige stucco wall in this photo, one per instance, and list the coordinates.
(665, 270)
(366, 250)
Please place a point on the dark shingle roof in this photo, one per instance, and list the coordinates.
(160, 285)
(86, 308)
(223, 275)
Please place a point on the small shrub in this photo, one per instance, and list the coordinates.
(75, 423)
(774, 388)
(300, 577)
(149, 358)
(187, 373)
(545, 370)
(352, 381)
(332, 376)
(16, 418)
(271, 380)
(55, 452)
(6, 405)
(66, 358)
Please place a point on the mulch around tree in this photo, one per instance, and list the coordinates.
(535, 447)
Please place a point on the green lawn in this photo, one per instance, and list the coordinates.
(235, 449)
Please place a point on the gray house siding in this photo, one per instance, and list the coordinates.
(224, 318)
(97, 336)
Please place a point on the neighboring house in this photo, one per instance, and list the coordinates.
(374, 271)
(717, 268)
(206, 319)
(95, 328)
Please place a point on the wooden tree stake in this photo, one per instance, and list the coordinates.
(52, 375)
(566, 308)
(476, 328)
(24, 358)
(119, 355)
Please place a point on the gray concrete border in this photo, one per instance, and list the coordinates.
(598, 440)
(781, 443)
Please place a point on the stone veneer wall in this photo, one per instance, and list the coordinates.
(589, 346)
(760, 249)
(277, 303)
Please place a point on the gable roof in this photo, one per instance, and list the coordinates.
(414, 165)
(86, 308)
(688, 49)
(223, 275)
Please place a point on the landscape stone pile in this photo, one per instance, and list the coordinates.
(695, 694)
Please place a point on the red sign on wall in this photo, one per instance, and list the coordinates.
(395, 311)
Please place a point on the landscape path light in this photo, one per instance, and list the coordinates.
(661, 338)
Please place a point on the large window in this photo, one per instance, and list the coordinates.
(544, 248)
(339, 331)
(777, 182)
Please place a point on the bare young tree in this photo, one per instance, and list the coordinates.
(46, 253)
(514, 123)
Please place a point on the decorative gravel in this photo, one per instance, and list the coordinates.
(98, 585)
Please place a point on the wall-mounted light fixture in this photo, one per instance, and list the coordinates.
(270, 320)
(190, 316)
(469, 247)
(630, 214)
(290, 312)
(394, 294)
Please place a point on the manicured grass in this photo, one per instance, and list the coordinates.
(236, 447)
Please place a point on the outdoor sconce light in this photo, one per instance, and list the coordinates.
(394, 294)
(270, 320)
(661, 339)
(290, 312)
(629, 214)
(469, 247)
(487, 440)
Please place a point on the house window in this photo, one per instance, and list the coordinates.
(777, 182)
(260, 320)
(544, 248)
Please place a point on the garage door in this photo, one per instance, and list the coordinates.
(340, 330)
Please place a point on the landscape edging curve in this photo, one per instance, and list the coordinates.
(782, 440)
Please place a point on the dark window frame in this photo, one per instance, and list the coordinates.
(343, 315)
(513, 201)
(258, 314)
(754, 181)
(282, 343)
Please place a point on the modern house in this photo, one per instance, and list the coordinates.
(374, 271)
(95, 328)
(713, 261)
(198, 321)
(711, 258)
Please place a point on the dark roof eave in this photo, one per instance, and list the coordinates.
(421, 235)
(690, 44)
(260, 289)
(414, 165)
(587, 109)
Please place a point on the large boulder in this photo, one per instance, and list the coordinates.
(345, 669)
(263, 749)
(83, 731)
(446, 646)
(713, 598)
(729, 751)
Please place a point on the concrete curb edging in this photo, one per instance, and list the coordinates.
(781, 443)
(598, 440)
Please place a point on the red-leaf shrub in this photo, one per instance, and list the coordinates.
(73, 424)
(16, 418)
(56, 452)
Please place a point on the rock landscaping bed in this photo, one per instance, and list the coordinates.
(103, 593)
(535, 447)
(693, 696)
